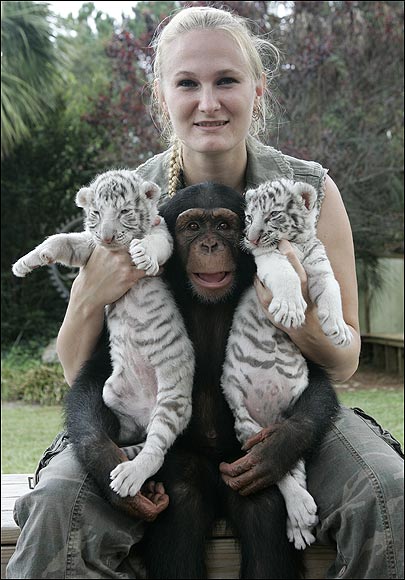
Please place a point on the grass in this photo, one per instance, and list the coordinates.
(27, 430)
(385, 406)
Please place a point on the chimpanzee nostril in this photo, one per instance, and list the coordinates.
(209, 246)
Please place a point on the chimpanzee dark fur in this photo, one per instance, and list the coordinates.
(174, 544)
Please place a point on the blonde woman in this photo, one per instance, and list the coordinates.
(211, 90)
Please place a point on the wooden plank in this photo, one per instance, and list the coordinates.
(10, 478)
(7, 505)
(384, 338)
(9, 536)
(13, 485)
(6, 553)
(317, 561)
(223, 558)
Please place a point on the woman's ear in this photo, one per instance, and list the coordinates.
(158, 93)
(261, 86)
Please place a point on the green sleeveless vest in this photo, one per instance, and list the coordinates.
(264, 164)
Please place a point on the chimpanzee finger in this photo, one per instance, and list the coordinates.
(239, 475)
(150, 488)
(259, 437)
(149, 509)
(237, 467)
(241, 481)
(256, 485)
(161, 501)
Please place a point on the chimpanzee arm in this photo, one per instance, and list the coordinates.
(276, 449)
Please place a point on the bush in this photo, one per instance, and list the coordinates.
(26, 378)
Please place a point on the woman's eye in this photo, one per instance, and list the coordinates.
(193, 226)
(227, 81)
(187, 83)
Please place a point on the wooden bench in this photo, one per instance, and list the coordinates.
(222, 548)
(385, 351)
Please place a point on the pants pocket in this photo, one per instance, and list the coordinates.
(58, 444)
(379, 430)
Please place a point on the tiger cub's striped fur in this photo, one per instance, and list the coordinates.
(286, 210)
(264, 371)
(150, 387)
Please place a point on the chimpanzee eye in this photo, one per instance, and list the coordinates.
(194, 226)
(223, 226)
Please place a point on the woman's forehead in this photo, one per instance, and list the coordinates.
(201, 50)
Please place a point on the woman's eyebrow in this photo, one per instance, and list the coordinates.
(222, 72)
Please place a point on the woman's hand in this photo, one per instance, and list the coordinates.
(106, 277)
(264, 294)
(340, 363)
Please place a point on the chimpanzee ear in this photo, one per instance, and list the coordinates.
(84, 197)
(307, 193)
(151, 190)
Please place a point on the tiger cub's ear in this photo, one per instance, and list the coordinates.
(250, 194)
(84, 197)
(151, 190)
(307, 193)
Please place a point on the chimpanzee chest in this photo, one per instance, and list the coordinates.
(211, 428)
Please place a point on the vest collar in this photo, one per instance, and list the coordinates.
(264, 164)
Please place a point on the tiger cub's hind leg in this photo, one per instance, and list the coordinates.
(301, 507)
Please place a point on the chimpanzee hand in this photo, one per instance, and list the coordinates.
(271, 453)
(147, 504)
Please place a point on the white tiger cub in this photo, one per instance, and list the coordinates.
(264, 371)
(150, 387)
(286, 210)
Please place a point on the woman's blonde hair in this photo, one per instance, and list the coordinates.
(260, 54)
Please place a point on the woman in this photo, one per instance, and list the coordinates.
(210, 91)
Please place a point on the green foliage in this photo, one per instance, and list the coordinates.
(83, 40)
(26, 378)
(341, 86)
(30, 67)
(39, 182)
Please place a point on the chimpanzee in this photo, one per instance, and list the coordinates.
(207, 273)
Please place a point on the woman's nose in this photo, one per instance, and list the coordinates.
(208, 101)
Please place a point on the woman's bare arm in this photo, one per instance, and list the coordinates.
(106, 277)
(335, 233)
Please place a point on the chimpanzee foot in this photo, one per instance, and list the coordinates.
(146, 504)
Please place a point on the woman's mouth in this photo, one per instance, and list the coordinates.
(211, 124)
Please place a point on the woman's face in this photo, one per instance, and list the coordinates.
(208, 91)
